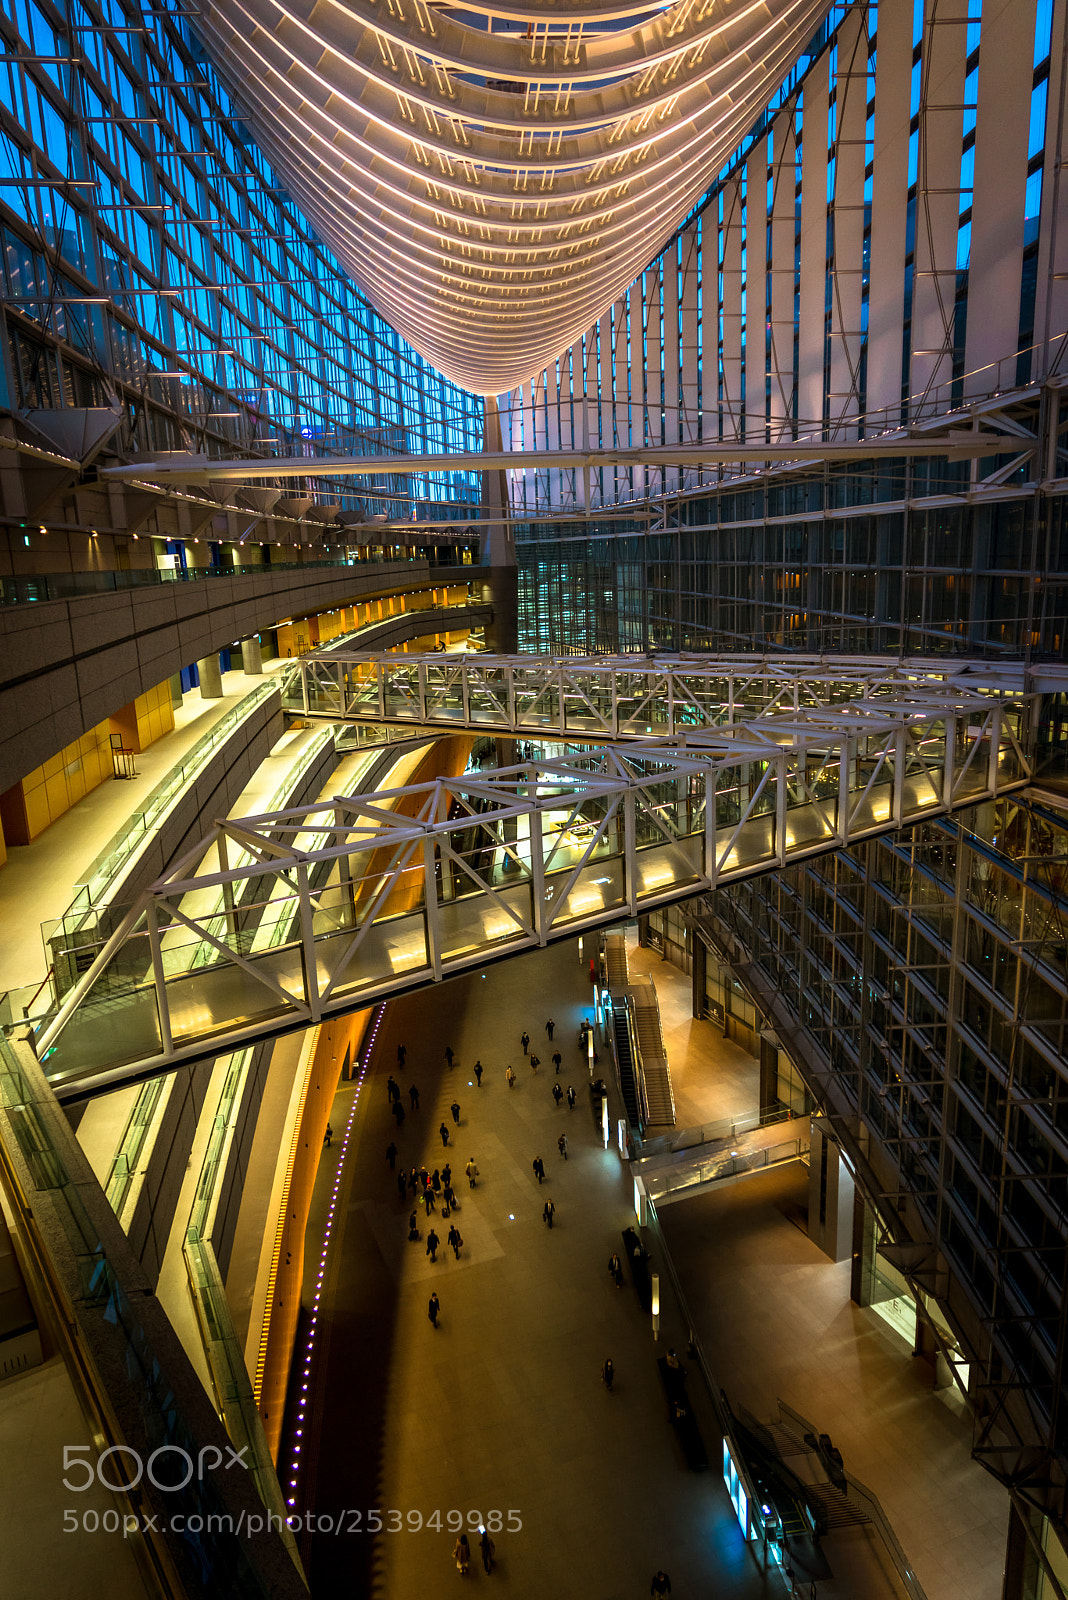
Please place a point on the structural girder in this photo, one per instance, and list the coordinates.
(367, 896)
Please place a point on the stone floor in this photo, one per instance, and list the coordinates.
(502, 1407)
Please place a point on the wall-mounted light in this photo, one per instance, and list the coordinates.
(656, 1305)
(42, 528)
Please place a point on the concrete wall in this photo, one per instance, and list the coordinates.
(65, 665)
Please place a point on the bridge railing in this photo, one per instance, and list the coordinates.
(340, 903)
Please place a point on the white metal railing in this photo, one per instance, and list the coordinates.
(374, 894)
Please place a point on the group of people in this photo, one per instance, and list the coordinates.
(461, 1552)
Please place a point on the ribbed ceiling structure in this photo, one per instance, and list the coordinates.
(493, 176)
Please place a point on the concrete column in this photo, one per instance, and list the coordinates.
(698, 976)
(210, 678)
(769, 1072)
(252, 656)
(176, 688)
(830, 1196)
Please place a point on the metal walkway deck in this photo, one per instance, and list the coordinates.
(366, 896)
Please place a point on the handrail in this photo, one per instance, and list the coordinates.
(31, 588)
(872, 1506)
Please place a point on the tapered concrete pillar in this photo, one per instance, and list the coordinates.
(210, 678)
(830, 1196)
(252, 656)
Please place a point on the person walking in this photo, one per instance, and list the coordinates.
(558, 1094)
(392, 1088)
(548, 1212)
(413, 1096)
(455, 1109)
(449, 1196)
(510, 1075)
(535, 1062)
(443, 1130)
(398, 1112)
(571, 1097)
(558, 1060)
(413, 1228)
(608, 1373)
(549, 1027)
(413, 1181)
(615, 1268)
(449, 1055)
(435, 1178)
(525, 1040)
(462, 1555)
(539, 1168)
(328, 1135)
(661, 1585)
(488, 1549)
(429, 1201)
(478, 1073)
(432, 1310)
(446, 1175)
(391, 1156)
(432, 1242)
(455, 1240)
(402, 1051)
(561, 1145)
(472, 1172)
(402, 1186)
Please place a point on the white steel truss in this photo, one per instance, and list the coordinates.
(494, 176)
(628, 696)
(336, 905)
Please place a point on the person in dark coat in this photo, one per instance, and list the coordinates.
(608, 1374)
(402, 1186)
(557, 1060)
(432, 1242)
(478, 1073)
(535, 1062)
(413, 1181)
(558, 1094)
(660, 1586)
(391, 1156)
(455, 1240)
(449, 1057)
(392, 1088)
(413, 1228)
(402, 1051)
(539, 1168)
(432, 1310)
(398, 1112)
(549, 1027)
(570, 1097)
(435, 1178)
(446, 1174)
(455, 1109)
(413, 1096)
(548, 1212)
(615, 1267)
(488, 1549)
(443, 1130)
(525, 1040)
(449, 1197)
(561, 1145)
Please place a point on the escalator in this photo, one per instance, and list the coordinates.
(625, 1063)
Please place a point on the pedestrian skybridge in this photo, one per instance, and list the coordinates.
(277, 921)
